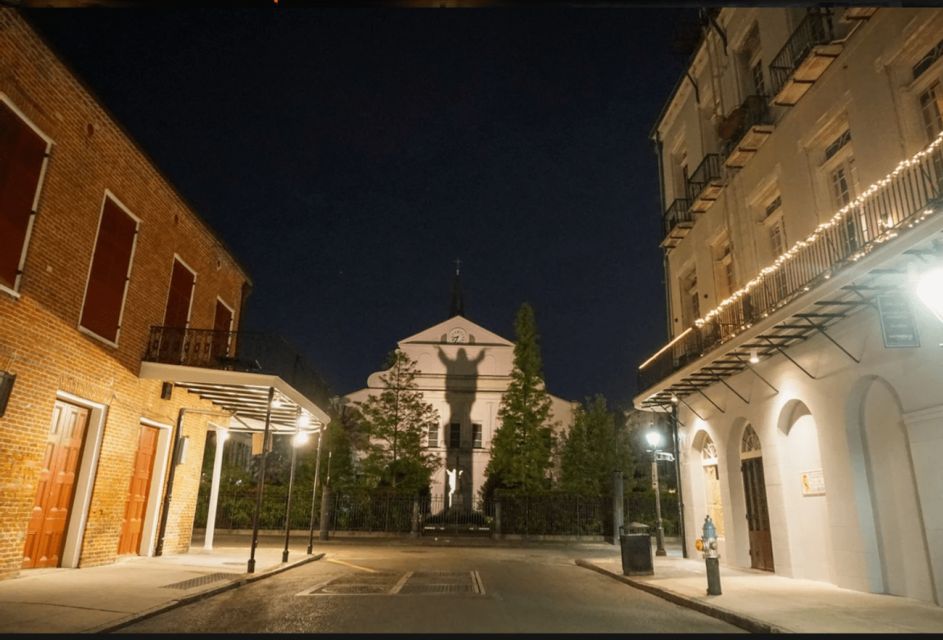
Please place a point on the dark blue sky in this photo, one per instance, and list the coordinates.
(347, 157)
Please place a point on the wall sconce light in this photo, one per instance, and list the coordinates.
(754, 357)
(166, 389)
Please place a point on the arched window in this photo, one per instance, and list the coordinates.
(750, 444)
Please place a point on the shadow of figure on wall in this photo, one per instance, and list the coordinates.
(461, 386)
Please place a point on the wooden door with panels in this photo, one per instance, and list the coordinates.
(52, 506)
(135, 510)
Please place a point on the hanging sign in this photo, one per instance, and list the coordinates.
(897, 321)
(813, 482)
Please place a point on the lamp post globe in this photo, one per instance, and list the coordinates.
(930, 291)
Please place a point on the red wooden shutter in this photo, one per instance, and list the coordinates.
(222, 324)
(109, 275)
(21, 161)
(177, 313)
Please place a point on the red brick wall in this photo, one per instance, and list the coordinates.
(39, 340)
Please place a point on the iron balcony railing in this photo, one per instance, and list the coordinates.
(754, 111)
(247, 351)
(706, 172)
(894, 203)
(679, 211)
(815, 29)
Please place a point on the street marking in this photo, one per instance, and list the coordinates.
(355, 566)
(479, 585)
(402, 581)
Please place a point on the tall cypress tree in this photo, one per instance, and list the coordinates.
(396, 421)
(522, 447)
(591, 451)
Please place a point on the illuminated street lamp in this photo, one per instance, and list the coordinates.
(930, 291)
(298, 440)
(654, 439)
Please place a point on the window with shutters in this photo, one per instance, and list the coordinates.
(109, 272)
(476, 436)
(434, 435)
(23, 153)
(455, 435)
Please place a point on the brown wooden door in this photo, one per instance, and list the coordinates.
(135, 508)
(45, 534)
(761, 541)
(222, 325)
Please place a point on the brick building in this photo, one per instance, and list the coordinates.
(97, 250)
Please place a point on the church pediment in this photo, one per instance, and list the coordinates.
(457, 330)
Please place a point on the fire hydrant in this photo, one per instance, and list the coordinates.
(707, 544)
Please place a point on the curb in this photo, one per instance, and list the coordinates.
(239, 581)
(737, 619)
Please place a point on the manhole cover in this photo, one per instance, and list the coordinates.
(437, 588)
(353, 589)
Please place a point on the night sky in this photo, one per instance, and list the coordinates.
(348, 157)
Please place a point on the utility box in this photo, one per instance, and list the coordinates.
(636, 550)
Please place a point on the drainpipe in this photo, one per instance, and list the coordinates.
(656, 138)
(168, 489)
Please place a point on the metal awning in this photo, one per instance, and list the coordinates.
(243, 394)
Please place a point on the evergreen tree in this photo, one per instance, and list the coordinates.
(396, 421)
(522, 447)
(591, 450)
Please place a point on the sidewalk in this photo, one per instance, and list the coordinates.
(101, 599)
(762, 602)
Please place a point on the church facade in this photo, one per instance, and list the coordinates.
(464, 371)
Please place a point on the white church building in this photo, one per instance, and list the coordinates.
(464, 371)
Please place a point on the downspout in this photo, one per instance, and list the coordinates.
(168, 489)
(656, 138)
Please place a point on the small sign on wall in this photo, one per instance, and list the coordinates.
(813, 482)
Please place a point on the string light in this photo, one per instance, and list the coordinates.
(819, 231)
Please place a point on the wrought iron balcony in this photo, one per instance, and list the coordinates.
(705, 183)
(744, 130)
(895, 205)
(244, 351)
(804, 57)
(678, 219)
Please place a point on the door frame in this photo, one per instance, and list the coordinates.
(155, 496)
(85, 480)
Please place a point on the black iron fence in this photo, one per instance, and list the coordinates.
(754, 111)
(709, 170)
(248, 351)
(679, 211)
(893, 203)
(815, 29)
(551, 514)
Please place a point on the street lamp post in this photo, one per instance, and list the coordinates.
(654, 439)
(314, 491)
(298, 440)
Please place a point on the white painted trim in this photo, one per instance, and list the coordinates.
(930, 414)
(39, 187)
(85, 481)
(156, 494)
(124, 296)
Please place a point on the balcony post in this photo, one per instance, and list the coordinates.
(261, 483)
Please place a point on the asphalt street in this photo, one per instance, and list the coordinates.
(385, 588)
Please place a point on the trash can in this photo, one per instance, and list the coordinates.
(636, 550)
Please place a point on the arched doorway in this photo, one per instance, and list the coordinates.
(754, 493)
(805, 497)
(905, 562)
(713, 502)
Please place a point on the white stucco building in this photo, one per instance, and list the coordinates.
(807, 375)
(464, 371)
